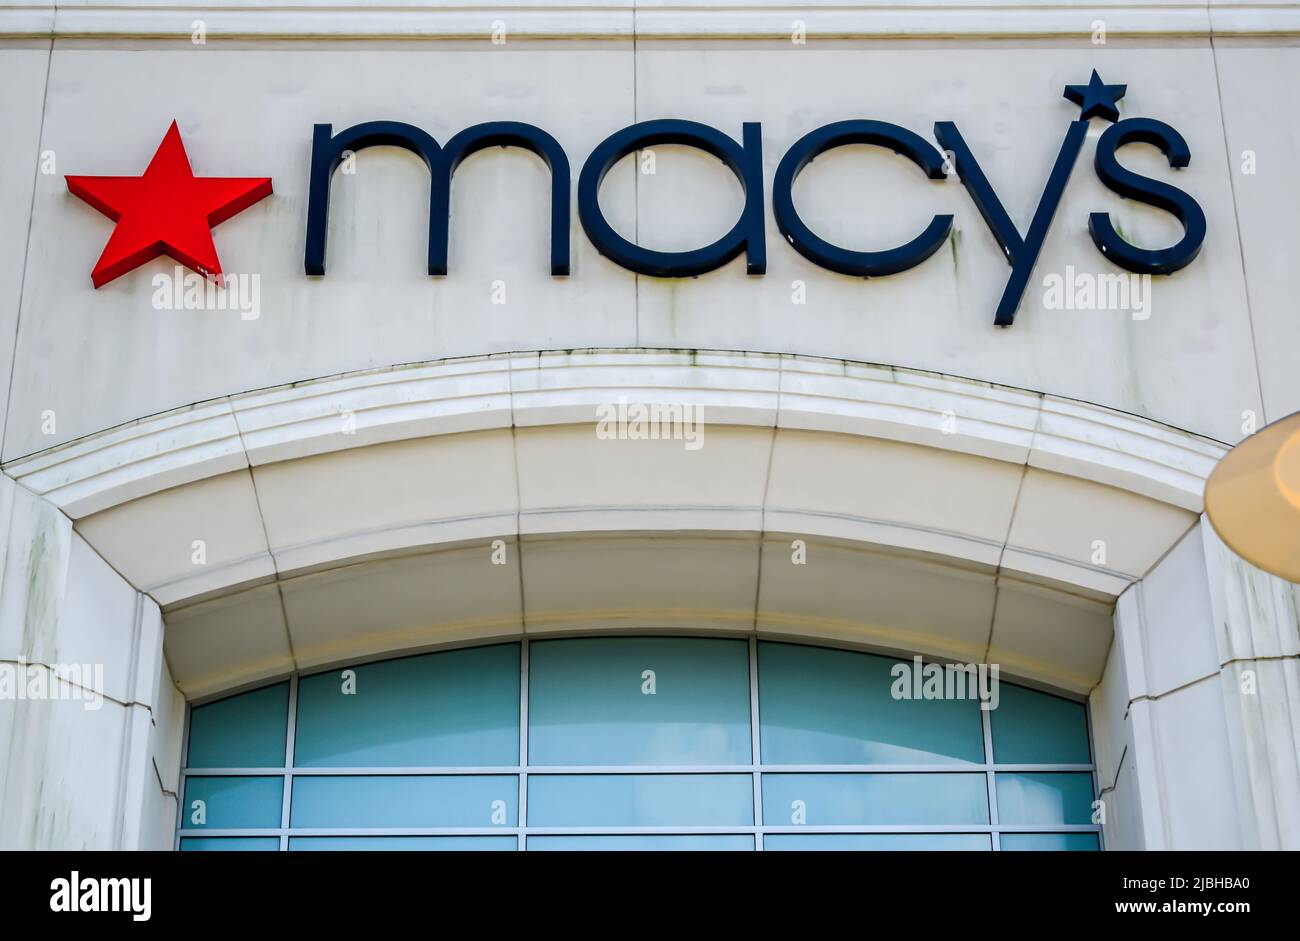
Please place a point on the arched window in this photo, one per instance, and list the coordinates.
(639, 743)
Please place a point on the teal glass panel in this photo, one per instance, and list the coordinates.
(469, 800)
(589, 701)
(1044, 798)
(458, 708)
(640, 800)
(874, 799)
(404, 843)
(1030, 727)
(1050, 841)
(877, 842)
(232, 803)
(823, 706)
(244, 731)
(645, 842)
(218, 844)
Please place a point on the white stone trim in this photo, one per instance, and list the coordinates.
(1066, 571)
(136, 459)
(522, 389)
(930, 542)
(1124, 451)
(625, 19)
(447, 397)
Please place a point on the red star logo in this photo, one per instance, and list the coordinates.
(167, 211)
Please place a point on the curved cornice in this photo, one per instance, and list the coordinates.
(674, 19)
(337, 413)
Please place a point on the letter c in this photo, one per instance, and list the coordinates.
(817, 250)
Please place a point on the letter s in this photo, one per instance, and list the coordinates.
(1151, 192)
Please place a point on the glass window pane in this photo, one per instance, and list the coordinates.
(640, 800)
(244, 731)
(407, 843)
(874, 799)
(244, 802)
(823, 706)
(1030, 727)
(644, 843)
(639, 701)
(467, 800)
(1044, 798)
(1050, 841)
(458, 708)
(215, 844)
(877, 841)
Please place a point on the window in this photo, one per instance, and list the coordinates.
(634, 743)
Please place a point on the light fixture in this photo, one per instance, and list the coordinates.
(1253, 498)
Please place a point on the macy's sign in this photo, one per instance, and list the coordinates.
(170, 211)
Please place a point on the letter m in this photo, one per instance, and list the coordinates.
(329, 149)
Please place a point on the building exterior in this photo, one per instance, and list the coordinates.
(631, 487)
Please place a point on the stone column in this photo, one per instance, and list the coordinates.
(1197, 718)
(89, 745)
